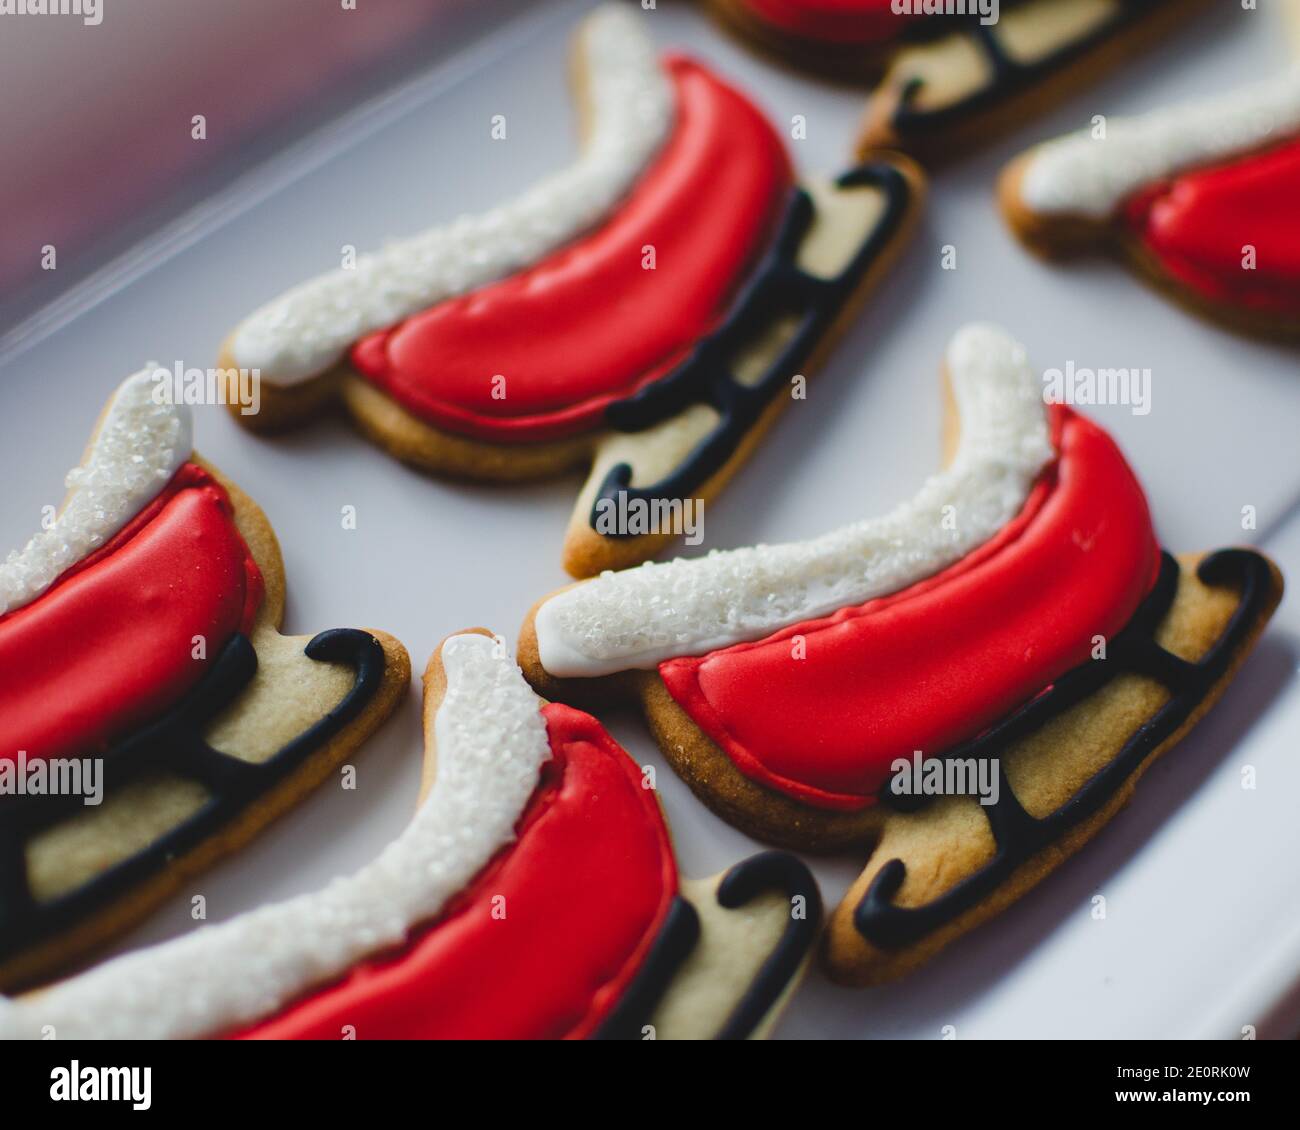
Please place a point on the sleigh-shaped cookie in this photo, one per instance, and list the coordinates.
(152, 718)
(950, 76)
(1201, 199)
(1015, 622)
(534, 894)
(644, 313)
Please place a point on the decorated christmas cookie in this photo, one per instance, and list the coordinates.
(645, 312)
(534, 895)
(152, 718)
(955, 72)
(967, 688)
(1202, 199)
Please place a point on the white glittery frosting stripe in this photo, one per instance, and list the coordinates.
(491, 745)
(309, 328)
(139, 447)
(1080, 175)
(642, 616)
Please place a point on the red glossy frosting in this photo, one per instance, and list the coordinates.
(1198, 224)
(934, 664)
(109, 646)
(587, 886)
(589, 324)
(832, 21)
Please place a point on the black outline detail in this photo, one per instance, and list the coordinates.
(777, 286)
(1018, 835)
(174, 744)
(770, 871)
(680, 933)
(675, 942)
(1009, 77)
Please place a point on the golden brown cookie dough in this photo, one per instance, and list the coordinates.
(874, 217)
(287, 695)
(1204, 610)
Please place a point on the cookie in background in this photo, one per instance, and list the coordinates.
(642, 314)
(1200, 199)
(949, 77)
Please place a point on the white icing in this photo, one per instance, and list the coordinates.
(1081, 175)
(642, 616)
(491, 744)
(308, 329)
(139, 447)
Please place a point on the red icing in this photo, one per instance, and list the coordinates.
(1197, 225)
(587, 886)
(936, 663)
(832, 21)
(109, 646)
(589, 324)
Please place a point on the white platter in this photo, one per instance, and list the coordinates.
(1202, 934)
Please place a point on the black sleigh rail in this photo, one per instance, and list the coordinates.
(1017, 835)
(777, 288)
(173, 744)
(1009, 77)
(769, 871)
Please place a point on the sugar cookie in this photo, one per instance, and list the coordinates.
(534, 894)
(1201, 199)
(1015, 624)
(643, 313)
(152, 717)
(951, 74)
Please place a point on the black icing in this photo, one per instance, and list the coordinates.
(1018, 835)
(173, 744)
(771, 871)
(1009, 77)
(767, 871)
(778, 287)
(675, 942)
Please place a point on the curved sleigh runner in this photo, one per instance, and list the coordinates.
(799, 690)
(641, 313)
(535, 894)
(140, 658)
